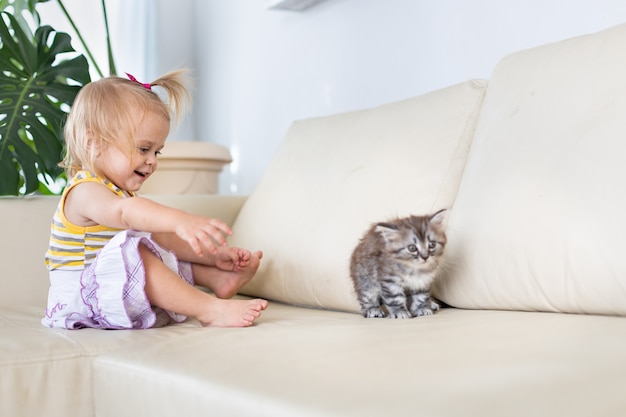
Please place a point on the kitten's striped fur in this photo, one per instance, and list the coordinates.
(394, 265)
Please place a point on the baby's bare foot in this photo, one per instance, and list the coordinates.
(227, 283)
(233, 313)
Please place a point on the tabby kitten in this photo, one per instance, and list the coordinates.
(394, 266)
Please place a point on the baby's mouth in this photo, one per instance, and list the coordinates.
(142, 174)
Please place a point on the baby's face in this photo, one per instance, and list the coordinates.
(130, 173)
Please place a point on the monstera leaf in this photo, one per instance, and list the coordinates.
(37, 88)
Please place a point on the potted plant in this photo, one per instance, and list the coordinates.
(40, 75)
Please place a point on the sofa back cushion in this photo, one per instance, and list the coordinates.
(539, 220)
(25, 225)
(334, 176)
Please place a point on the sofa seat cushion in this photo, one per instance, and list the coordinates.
(539, 219)
(47, 372)
(303, 362)
(334, 176)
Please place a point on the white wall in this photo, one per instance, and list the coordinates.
(261, 69)
(257, 70)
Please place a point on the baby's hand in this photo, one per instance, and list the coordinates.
(203, 233)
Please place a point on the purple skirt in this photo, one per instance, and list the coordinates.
(109, 294)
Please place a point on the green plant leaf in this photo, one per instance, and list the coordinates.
(19, 8)
(37, 88)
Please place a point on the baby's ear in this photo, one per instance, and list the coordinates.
(91, 143)
(439, 217)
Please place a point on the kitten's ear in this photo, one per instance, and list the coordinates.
(386, 230)
(439, 217)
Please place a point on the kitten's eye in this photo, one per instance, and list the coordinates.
(432, 245)
(412, 248)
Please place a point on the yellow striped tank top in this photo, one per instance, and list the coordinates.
(75, 247)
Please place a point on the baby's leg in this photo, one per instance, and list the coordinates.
(167, 290)
(226, 283)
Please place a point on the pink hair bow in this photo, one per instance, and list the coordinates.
(130, 77)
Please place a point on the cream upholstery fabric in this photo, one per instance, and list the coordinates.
(48, 372)
(539, 220)
(24, 275)
(334, 176)
(312, 363)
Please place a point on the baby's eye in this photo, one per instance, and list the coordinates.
(412, 248)
(157, 153)
(143, 151)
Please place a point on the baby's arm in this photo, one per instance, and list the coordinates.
(91, 203)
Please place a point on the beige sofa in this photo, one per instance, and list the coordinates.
(532, 166)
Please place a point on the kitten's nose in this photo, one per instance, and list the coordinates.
(424, 256)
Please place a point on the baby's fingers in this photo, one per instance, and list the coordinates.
(221, 226)
(215, 235)
(209, 239)
(195, 246)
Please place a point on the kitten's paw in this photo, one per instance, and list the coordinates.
(434, 306)
(399, 314)
(424, 311)
(374, 312)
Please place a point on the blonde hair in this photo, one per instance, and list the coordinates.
(107, 112)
